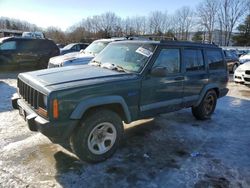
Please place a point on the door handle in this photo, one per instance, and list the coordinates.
(179, 78)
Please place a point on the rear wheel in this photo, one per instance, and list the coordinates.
(206, 107)
(98, 136)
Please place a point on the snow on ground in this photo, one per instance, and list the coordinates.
(171, 150)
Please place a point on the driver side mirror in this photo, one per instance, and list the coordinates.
(159, 71)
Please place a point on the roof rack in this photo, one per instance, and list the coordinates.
(151, 37)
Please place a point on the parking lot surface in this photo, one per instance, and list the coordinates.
(171, 150)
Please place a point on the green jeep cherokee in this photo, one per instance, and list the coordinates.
(129, 80)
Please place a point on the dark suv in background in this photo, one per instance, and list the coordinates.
(18, 53)
(232, 60)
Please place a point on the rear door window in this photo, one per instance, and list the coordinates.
(215, 59)
(26, 46)
(193, 60)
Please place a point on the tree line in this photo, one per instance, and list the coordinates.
(209, 16)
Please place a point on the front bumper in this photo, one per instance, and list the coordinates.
(57, 131)
(242, 78)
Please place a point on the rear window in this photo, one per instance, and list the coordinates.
(215, 59)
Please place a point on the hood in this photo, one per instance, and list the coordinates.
(74, 56)
(72, 76)
(245, 66)
(247, 56)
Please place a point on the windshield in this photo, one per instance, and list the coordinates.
(96, 47)
(129, 56)
(69, 46)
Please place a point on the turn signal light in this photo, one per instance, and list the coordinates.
(55, 109)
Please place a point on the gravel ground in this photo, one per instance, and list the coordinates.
(171, 150)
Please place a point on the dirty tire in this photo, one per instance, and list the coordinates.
(206, 107)
(98, 136)
(234, 68)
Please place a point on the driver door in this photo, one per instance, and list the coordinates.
(163, 93)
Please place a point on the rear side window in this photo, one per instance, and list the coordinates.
(215, 59)
(9, 45)
(26, 45)
(170, 59)
(193, 60)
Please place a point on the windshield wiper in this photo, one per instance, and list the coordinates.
(112, 66)
(95, 63)
(121, 69)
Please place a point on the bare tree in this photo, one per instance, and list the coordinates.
(56, 34)
(230, 12)
(184, 19)
(207, 11)
(157, 21)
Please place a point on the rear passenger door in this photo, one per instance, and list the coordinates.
(195, 75)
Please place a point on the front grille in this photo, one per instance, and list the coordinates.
(247, 79)
(248, 72)
(30, 95)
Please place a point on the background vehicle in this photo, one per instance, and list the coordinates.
(232, 60)
(60, 46)
(73, 47)
(82, 57)
(18, 53)
(245, 58)
(127, 81)
(36, 34)
(242, 73)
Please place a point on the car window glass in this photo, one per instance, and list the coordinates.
(170, 59)
(193, 60)
(26, 45)
(9, 45)
(75, 47)
(215, 59)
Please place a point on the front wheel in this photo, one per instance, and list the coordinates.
(98, 136)
(206, 107)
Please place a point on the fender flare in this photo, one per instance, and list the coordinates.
(204, 91)
(84, 105)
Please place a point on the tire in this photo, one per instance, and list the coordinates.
(98, 136)
(234, 67)
(206, 107)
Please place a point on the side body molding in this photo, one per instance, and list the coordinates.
(83, 106)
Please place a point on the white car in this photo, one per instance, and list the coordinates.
(82, 57)
(242, 73)
(244, 58)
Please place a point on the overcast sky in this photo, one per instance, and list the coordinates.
(65, 13)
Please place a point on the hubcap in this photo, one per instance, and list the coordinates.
(209, 104)
(102, 138)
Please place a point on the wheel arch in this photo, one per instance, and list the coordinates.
(205, 89)
(114, 103)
